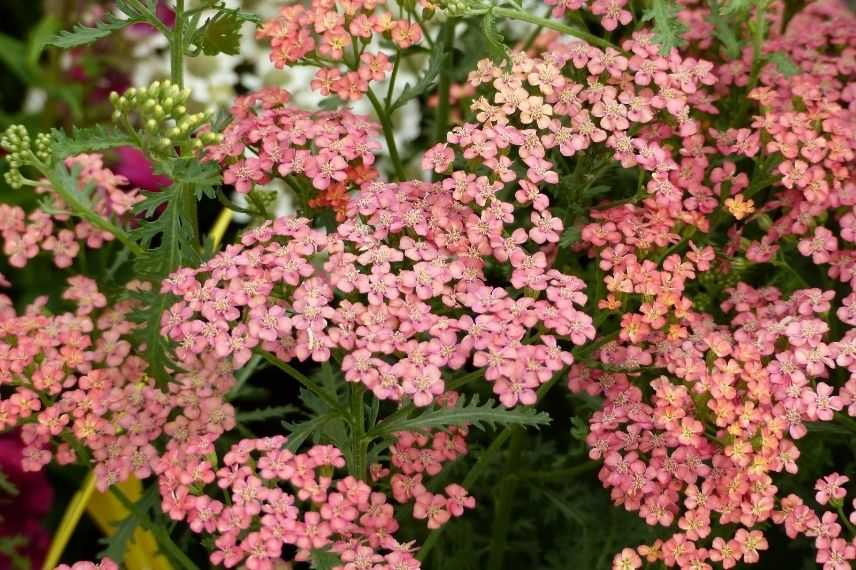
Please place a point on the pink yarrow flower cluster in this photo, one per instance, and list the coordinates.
(25, 235)
(402, 295)
(699, 416)
(72, 376)
(334, 151)
(273, 497)
(339, 37)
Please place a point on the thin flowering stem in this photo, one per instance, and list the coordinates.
(325, 396)
(176, 46)
(388, 133)
(842, 516)
(359, 441)
(393, 76)
(516, 14)
(164, 540)
(447, 44)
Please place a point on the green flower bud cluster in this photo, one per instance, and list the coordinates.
(161, 109)
(456, 8)
(22, 151)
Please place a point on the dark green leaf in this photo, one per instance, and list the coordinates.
(570, 236)
(324, 560)
(156, 348)
(724, 30)
(189, 171)
(220, 34)
(300, 432)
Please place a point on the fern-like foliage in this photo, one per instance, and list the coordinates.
(88, 139)
(474, 413)
(136, 11)
(668, 29)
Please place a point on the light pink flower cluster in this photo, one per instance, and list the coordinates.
(575, 97)
(338, 37)
(723, 422)
(698, 416)
(71, 377)
(808, 120)
(333, 150)
(402, 293)
(52, 229)
(613, 13)
(274, 498)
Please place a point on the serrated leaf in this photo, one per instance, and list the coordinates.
(425, 82)
(495, 40)
(117, 543)
(168, 235)
(264, 414)
(220, 34)
(723, 30)
(157, 351)
(298, 433)
(82, 35)
(88, 139)
(324, 560)
(668, 29)
(477, 415)
(784, 64)
(570, 236)
(189, 171)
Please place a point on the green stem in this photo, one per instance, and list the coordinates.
(515, 14)
(396, 64)
(164, 540)
(176, 46)
(839, 506)
(447, 41)
(325, 396)
(504, 503)
(388, 133)
(359, 442)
